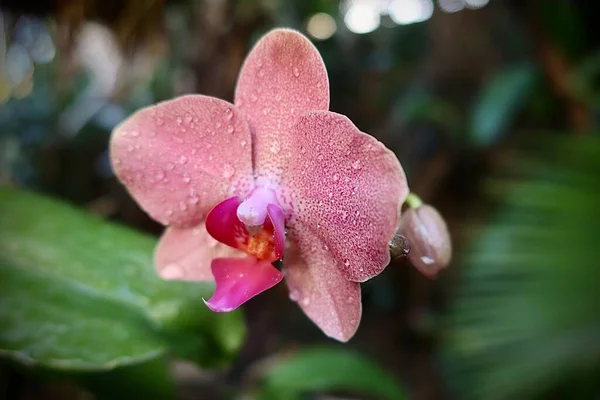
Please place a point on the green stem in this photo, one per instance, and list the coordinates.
(413, 201)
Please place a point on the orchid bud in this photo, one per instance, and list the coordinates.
(426, 230)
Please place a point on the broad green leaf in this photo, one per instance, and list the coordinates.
(77, 292)
(498, 104)
(326, 369)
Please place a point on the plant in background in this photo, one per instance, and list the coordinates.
(525, 318)
(274, 176)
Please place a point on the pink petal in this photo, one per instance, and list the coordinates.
(224, 225)
(181, 157)
(346, 188)
(277, 219)
(186, 254)
(282, 77)
(240, 279)
(321, 290)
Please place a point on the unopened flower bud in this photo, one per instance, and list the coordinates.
(427, 233)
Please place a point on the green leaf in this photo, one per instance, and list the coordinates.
(325, 369)
(500, 101)
(77, 292)
(524, 319)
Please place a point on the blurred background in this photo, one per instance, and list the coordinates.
(492, 107)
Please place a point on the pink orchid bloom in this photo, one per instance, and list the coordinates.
(273, 175)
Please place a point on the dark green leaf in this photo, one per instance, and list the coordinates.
(502, 98)
(77, 292)
(325, 369)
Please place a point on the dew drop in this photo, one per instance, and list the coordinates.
(427, 260)
(294, 295)
(302, 150)
(160, 121)
(347, 263)
(117, 161)
(135, 133)
(186, 178)
(183, 160)
(170, 166)
(356, 164)
(183, 206)
(278, 97)
(193, 200)
(230, 129)
(254, 98)
(261, 73)
(160, 175)
(296, 72)
(172, 271)
(188, 118)
(306, 301)
(130, 148)
(266, 111)
(275, 147)
(228, 113)
(179, 121)
(350, 299)
(243, 143)
(228, 171)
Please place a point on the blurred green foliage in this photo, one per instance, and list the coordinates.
(327, 369)
(525, 319)
(66, 276)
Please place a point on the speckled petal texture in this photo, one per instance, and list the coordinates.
(186, 254)
(325, 295)
(282, 77)
(181, 157)
(346, 188)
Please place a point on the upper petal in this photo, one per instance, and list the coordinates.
(325, 295)
(282, 77)
(181, 157)
(186, 254)
(347, 188)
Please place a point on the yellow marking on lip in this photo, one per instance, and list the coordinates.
(261, 245)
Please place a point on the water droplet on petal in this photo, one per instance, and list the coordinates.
(172, 271)
(130, 148)
(230, 129)
(159, 175)
(347, 263)
(170, 166)
(193, 200)
(296, 72)
(188, 118)
(228, 171)
(278, 97)
(135, 133)
(356, 164)
(160, 121)
(243, 143)
(306, 301)
(228, 113)
(350, 299)
(275, 147)
(183, 206)
(261, 73)
(179, 121)
(294, 295)
(254, 98)
(266, 110)
(183, 160)
(186, 178)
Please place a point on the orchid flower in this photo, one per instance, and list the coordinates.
(273, 176)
